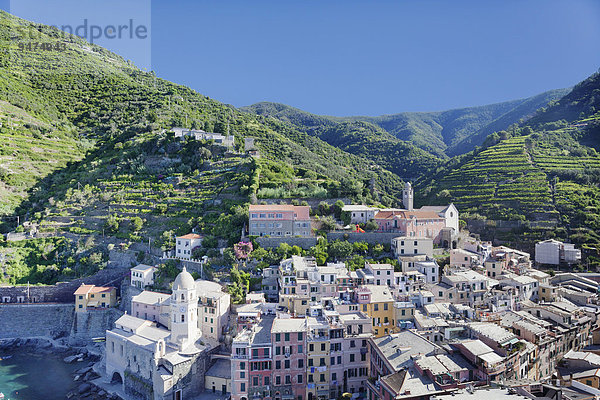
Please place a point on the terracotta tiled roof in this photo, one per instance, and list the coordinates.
(85, 289)
(190, 236)
(405, 214)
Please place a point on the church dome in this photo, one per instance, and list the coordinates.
(184, 281)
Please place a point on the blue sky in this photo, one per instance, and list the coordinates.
(349, 57)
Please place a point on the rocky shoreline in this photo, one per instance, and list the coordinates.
(86, 356)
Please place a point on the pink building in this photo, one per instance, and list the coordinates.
(146, 305)
(415, 223)
(289, 358)
(252, 362)
(279, 220)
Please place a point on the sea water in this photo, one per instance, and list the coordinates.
(31, 376)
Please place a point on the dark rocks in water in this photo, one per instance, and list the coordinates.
(69, 359)
(84, 388)
(83, 370)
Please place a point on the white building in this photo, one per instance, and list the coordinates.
(360, 214)
(527, 287)
(426, 266)
(198, 134)
(156, 363)
(142, 275)
(404, 245)
(553, 252)
(184, 245)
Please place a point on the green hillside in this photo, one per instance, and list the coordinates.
(541, 179)
(355, 137)
(88, 155)
(444, 133)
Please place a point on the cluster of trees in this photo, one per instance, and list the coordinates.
(354, 254)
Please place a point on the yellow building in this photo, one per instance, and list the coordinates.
(218, 377)
(547, 292)
(317, 358)
(94, 297)
(378, 303)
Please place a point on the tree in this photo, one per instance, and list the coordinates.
(328, 223)
(323, 208)
(361, 247)
(371, 226)
(284, 250)
(337, 208)
(229, 256)
(340, 249)
(242, 250)
(296, 250)
(112, 224)
(161, 208)
(378, 249)
(137, 223)
(205, 153)
(259, 253)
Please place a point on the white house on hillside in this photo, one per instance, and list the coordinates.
(185, 244)
(142, 275)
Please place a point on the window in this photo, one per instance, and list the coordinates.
(310, 362)
(311, 347)
(385, 306)
(334, 376)
(301, 363)
(242, 387)
(287, 364)
(242, 375)
(266, 380)
(277, 364)
(182, 318)
(277, 350)
(300, 348)
(321, 361)
(288, 379)
(299, 381)
(300, 336)
(278, 380)
(352, 343)
(376, 307)
(287, 337)
(322, 378)
(322, 346)
(255, 353)
(255, 381)
(242, 365)
(351, 357)
(278, 337)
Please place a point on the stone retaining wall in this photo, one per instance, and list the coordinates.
(31, 320)
(62, 292)
(94, 323)
(271, 242)
(369, 237)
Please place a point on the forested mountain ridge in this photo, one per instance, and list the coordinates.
(441, 133)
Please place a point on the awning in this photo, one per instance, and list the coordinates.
(92, 304)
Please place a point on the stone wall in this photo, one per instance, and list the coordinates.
(31, 320)
(271, 242)
(94, 323)
(62, 292)
(127, 293)
(369, 237)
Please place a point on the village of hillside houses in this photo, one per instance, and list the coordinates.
(485, 323)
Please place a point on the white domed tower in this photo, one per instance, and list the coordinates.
(407, 196)
(184, 311)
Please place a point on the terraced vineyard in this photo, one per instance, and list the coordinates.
(502, 174)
